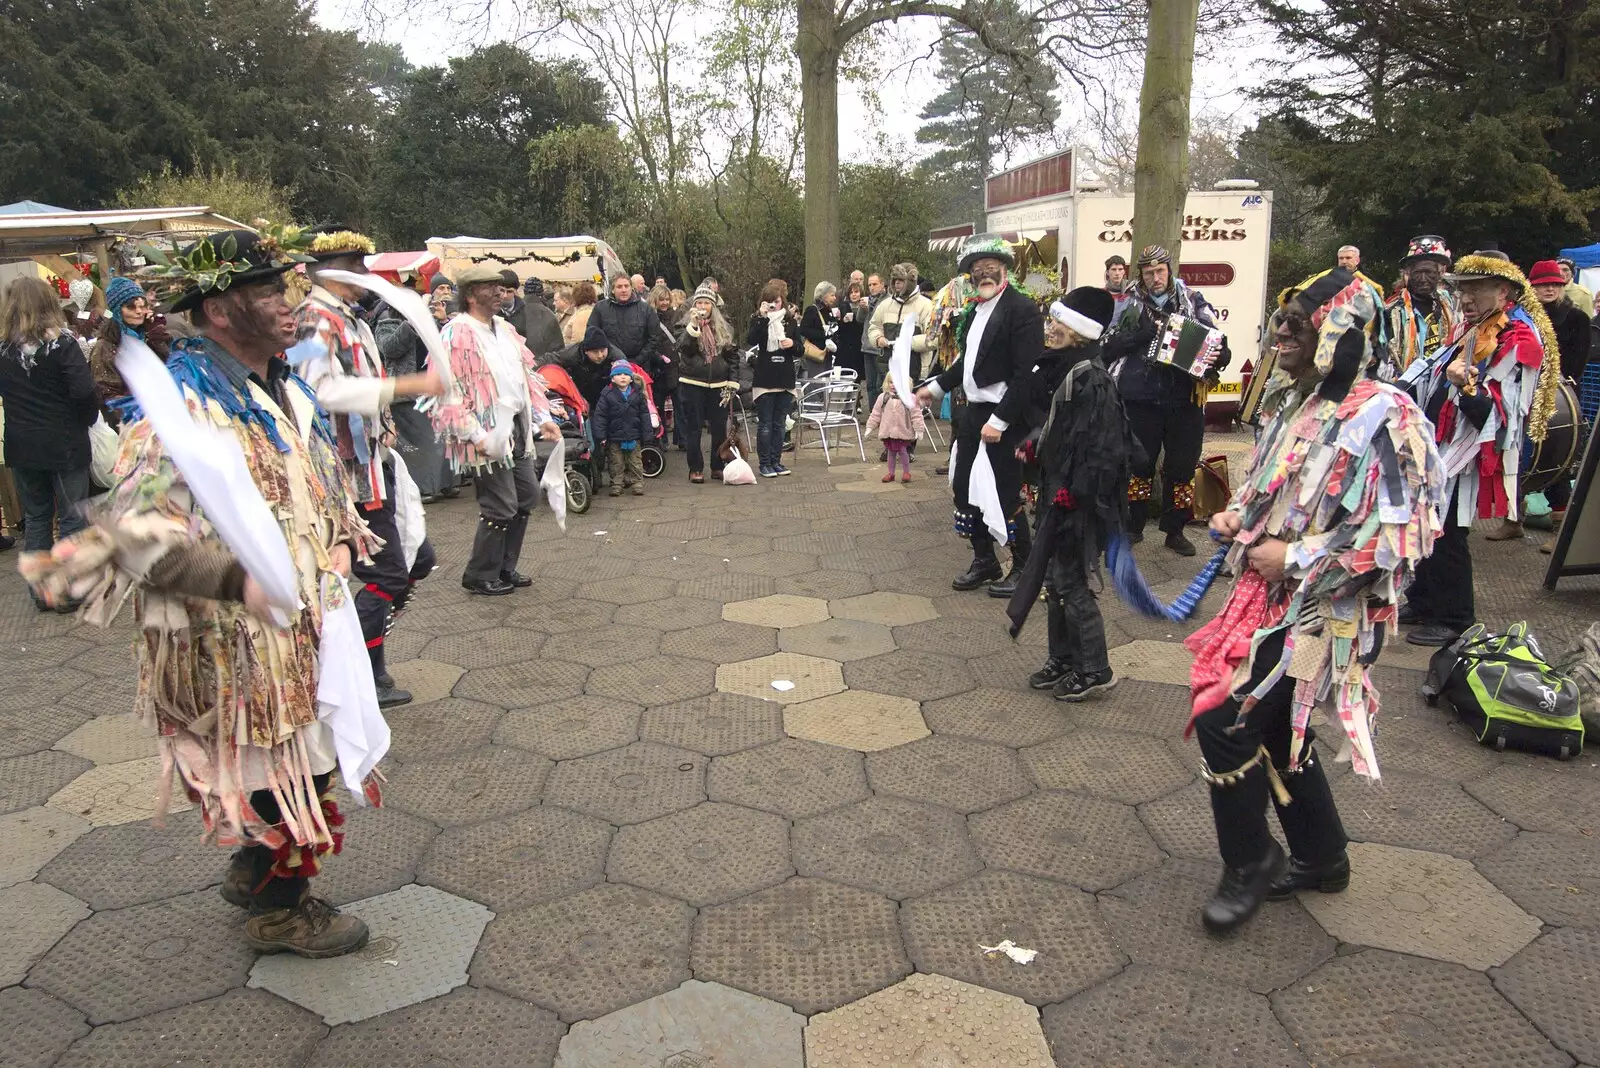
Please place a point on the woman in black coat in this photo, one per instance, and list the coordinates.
(853, 315)
(50, 403)
(818, 326)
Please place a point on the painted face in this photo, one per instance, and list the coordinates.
(1156, 278)
(988, 275)
(1056, 334)
(1482, 297)
(1296, 348)
(1422, 279)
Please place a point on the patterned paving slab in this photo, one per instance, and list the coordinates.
(29, 780)
(1432, 1014)
(1084, 841)
(575, 727)
(32, 838)
(600, 646)
(35, 1028)
(382, 848)
(1553, 983)
(1418, 813)
(1151, 1018)
(485, 648)
(726, 588)
(30, 726)
(1541, 799)
(812, 677)
(109, 794)
(720, 642)
(574, 614)
(697, 1024)
(888, 609)
(1551, 876)
(126, 963)
(421, 940)
(526, 859)
(468, 787)
(929, 1019)
(1427, 904)
(246, 1028)
(825, 583)
(654, 680)
(115, 867)
(426, 680)
(705, 855)
(946, 930)
(1152, 661)
(1001, 717)
(956, 773)
(811, 944)
(38, 916)
(793, 778)
(776, 610)
(887, 845)
(109, 739)
(630, 785)
(467, 1028)
(632, 589)
(908, 673)
(856, 719)
(590, 953)
(440, 728)
(513, 685)
(1181, 822)
(837, 639)
(715, 725)
(675, 613)
(1123, 767)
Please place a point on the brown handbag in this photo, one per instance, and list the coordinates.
(1212, 491)
(813, 353)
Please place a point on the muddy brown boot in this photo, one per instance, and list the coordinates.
(238, 885)
(1508, 530)
(312, 929)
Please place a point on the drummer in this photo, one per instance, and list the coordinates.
(1572, 331)
(1472, 399)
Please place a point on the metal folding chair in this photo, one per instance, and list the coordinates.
(830, 405)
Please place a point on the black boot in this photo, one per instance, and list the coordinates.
(1311, 826)
(1241, 892)
(1046, 677)
(985, 568)
(1179, 544)
(1329, 878)
(1021, 549)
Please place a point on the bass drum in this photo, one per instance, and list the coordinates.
(1545, 462)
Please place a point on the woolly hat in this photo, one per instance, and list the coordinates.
(1544, 273)
(622, 367)
(595, 338)
(1151, 255)
(823, 289)
(1426, 247)
(533, 286)
(509, 279)
(439, 280)
(1086, 310)
(121, 290)
(985, 246)
(704, 292)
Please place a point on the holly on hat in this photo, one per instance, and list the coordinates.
(985, 246)
(1426, 247)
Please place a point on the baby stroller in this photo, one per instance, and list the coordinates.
(651, 454)
(568, 409)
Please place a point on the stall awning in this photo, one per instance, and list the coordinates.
(63, 233)
(392, 265)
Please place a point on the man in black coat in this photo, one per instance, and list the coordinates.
(537, 324)
(632, 325)
(587, 362)
(1002, 339)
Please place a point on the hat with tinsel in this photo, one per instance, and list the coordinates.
(1482, 266)
(336, 241)
(1479, 267)
(985, 246)
(1151, 255)
(1426, 247)
(120, 291)
(220, 261)
(1086, 311)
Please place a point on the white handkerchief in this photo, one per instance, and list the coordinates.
(347, 699)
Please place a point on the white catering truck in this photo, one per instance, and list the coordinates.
(1226, 239)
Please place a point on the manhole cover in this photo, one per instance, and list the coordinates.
(885, 844)
(164, 948)
(1405, 901)
(381, 948)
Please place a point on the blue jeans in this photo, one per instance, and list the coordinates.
(873, 376)
(49, 496)
(771, 408)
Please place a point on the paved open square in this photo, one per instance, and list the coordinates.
(741, 783)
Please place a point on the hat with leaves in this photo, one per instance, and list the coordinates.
(985, 246)
(335, 241)
(218, 262)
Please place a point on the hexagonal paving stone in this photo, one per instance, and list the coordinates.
(514, 685)
(999, 716)
(115, 867)
(1537, 799)
(527, 859)
(887, 845)
(689, 529)
(1085, 841)
(1151, 708)
(31, 726)
(721, 642)
(811, 944)
(485, 648)
(563, 616)
(889, 609)
(588, 954)
(110, 739)
(1553, 983)
(1416, 739)
(696, 1024)
(726, 588)
(1150, 1018)
(38, 916)
(421, 940)
(773, 564)
(1551, 876)
(654, 680)
(1418, 813)
(242, 1027)
(33, 837)
(35, 1028)
(1152, 661)
(856, 719)
(953, 772)
(109, 794)
(1431, 1013)
(604, 645)
(929, 1019)
(440, 728)
(715, 725)
(425, 680)
(837, 639)
(467, 1028)
(382, 848)
(632, 589)
(571, 728)
(1415, 902)
(731, 545)
(825, 584)
(706, 855)
(1155, 918)
(468, 787)
(777, 610)
(793, 778)
(964, 638)
(1124, 767)
(812, 677)
(125, 963)
(29, 780)
(630, 785)
(676, 613)
(1181, 822)
(909, 673)
(1009, 669)
(946, 929)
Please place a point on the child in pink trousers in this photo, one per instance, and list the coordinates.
(896, 426)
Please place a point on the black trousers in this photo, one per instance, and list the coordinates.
(1441, 591)
(1177, 435)
(419, 445)
(384, 585)
(273, 892)
(1310, 821)
(1077, 632)
(698, 408)
(1007, 474)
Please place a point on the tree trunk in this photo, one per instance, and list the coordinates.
(818, 49)
(1161, 176)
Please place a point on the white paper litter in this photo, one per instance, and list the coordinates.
(554, 482)
(782, 685)
(1012, 950)
(601, 533)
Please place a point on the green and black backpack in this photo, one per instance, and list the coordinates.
(1501, 686)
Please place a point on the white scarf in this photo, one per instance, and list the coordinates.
(775, 335)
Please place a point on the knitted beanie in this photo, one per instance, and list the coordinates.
(120, 291)
(621, 367)
(704, 292)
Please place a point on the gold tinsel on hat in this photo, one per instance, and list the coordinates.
(342, 241)
(1544, 394)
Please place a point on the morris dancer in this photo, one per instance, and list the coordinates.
(1421, 315)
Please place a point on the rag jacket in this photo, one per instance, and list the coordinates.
(351, 384)
(473, 410)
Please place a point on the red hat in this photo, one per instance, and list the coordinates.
(1546, 273)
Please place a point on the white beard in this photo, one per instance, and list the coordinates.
(988, 288)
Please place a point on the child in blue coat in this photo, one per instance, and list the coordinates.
(621, 419)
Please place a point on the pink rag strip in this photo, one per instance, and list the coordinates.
(1223, 644)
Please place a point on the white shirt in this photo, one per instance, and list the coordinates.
(505, 363)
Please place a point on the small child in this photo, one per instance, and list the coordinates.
(897, 427)
(621, 417)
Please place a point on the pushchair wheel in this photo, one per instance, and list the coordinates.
(578, 493)
(652, 460)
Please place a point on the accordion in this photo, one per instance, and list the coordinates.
(1187, 344)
